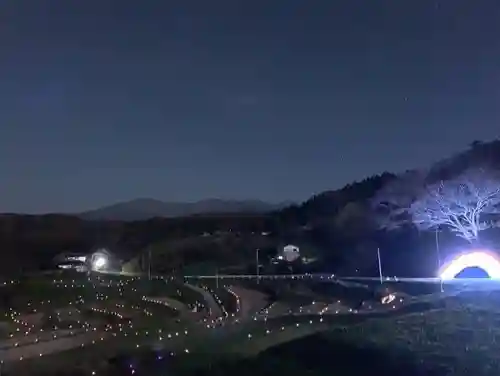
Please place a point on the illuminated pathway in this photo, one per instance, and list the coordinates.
(348, 279)
(50, 346)
(251, 301)
(214, 308)
(167, 301)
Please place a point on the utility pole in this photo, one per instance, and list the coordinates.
(438, 257)
(437, 248)
(257, 264)
(149, 264)
(217, 278)
(379, 265)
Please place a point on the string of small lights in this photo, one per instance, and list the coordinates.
(99, 310)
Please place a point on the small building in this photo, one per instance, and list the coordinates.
(291, 253)
(100, 259)
(71, 260)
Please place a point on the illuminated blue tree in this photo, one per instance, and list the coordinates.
(463, 204)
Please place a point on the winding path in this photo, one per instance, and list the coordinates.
(169, 302)
(214, 308)
(251, 301)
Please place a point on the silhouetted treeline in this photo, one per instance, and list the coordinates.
(337, 224)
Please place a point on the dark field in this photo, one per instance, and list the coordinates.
(423, 332)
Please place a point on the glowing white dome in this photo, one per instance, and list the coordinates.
(478, 259)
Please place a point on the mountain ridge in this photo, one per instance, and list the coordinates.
(147, 208)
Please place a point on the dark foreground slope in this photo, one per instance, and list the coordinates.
(462, 338)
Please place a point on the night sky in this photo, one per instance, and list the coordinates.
(103, 101)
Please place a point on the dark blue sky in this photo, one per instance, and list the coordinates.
(102, 101)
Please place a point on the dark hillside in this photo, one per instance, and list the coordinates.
(338, 225)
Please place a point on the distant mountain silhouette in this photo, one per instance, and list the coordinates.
(145, 208)
(336, 224)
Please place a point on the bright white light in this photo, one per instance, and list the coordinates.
(388, 299)
(77, 258)
(477, 259)
(99, 262)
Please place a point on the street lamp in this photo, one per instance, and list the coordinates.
(99, 263)
(99, 260)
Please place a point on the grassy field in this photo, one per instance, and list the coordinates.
(433, 334)
(459, 336)
(99, 302)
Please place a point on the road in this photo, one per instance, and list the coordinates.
(351, 279)
(325, 276)
(491, 283)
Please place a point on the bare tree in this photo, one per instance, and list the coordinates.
(461, 204)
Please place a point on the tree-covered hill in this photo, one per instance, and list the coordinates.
(337, 224)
